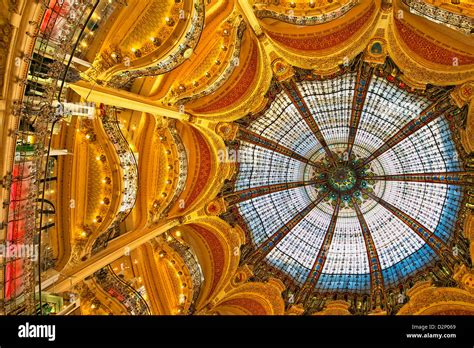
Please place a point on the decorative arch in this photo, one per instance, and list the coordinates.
(217, 247)
(252, 299)
(205, 172)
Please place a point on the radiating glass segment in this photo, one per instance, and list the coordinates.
(401, 252)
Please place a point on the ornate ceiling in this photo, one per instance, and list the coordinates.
(248, 157)
(342, 190)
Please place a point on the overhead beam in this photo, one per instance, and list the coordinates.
(123, 99)
(247, 10)
(116, 248)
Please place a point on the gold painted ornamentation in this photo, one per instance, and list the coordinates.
(422, 73)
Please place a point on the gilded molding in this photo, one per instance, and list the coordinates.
(267, 294)
(292, 17)
(463, 94)
(324, 64)
(424, 295)
(233, 63)
(5, 39)
(178, 55)
(420, 70)
(252, 101)
(437, 14)
(335, 307)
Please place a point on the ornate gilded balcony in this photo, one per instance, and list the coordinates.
(122, 291)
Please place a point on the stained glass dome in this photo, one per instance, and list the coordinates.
(350, 183)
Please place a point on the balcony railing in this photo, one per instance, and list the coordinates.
(463, 24)
(191, 262)
(122, 291)
(183, 167)
(174, 59)
(129, 167)
(234, 61)
(292, 18)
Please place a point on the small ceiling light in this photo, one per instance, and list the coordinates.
(178, 233)
(137, 52)
(187, 53)
(156, 42)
